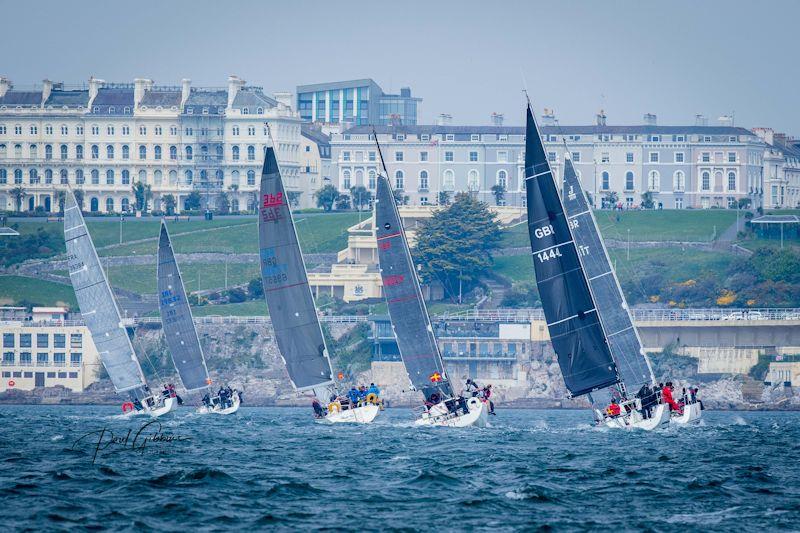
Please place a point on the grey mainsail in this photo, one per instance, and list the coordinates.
(98, 307)
(176, 319)
(412, 325)
(621, 334)
(286, 289)
(570, 311)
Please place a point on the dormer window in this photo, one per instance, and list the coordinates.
(502, 137)
(424, 137)
(205, 111)
(159, 108)
(245, 111)
(401, 137)
(449, 137)
(260, 111)
(111, 109)
(189, 110)
(220, 110)
(126, 109)
(96, 109)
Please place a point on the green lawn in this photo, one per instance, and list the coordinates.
(249, 308)
(196, 276)
(17, 289)
(667, 225)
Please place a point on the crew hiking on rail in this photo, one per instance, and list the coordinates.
(354, 398)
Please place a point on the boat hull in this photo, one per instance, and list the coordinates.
(216, 410)
(691, 413)
(439, 415)
(360, 415)
(634, 420)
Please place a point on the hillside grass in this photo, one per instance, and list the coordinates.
(16, 290)
(196, 276)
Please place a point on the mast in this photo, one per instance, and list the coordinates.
(98, 307)
(176, 319)
(620, 331)
(570, 311)
(286, 289)
(409, 314)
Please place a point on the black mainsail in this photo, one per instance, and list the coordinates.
(621, 334)
(176, 319)
(410, 320)
(98, 307)
(572, 318)
(283, 272)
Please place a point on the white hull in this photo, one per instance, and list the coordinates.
(360, 415)
(634, 420)
(439, 415)
(218, 411)
(691, 413)
(170, 404)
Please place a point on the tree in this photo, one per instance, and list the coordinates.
(647, 200)
(79, 198)
(142, 194)
(399, 197)
(361, 197)
(169, 204)
(343, 202)
(232, 193)
(499, 193)
(455, 245)
(294, 197)
(193, 201)
(444, 198)
(326, 197)
(61, 198)
(18, 194)
(255, 288)
(610, 199)
(223, 204)
(744, 203)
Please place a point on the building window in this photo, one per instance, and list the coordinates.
(235, 131)
(34, 177)
(346, 175)
(398, 156)
(502, 156)
(448, 156)
(475, 137)
(95, 152)
(705, 181)
(473, 181)
(502, 178)
(79, 152)
(731, 181)
(576, 157)
(423, 156)
(424, 137)
(399, 180)
(126, 177)
(75, 359)
(629, 157)
(678, 203)
(8, 340)
(157, 152)
(346, 156)
(189, 177)
(654, 181)
(706, 157)
(25, 359)
(449, 180)
(8, 358)
(3, 176)
(551, 157)
(423, 180)
(59, 359)
(25, 340)
(142, 152)
(605, 181)
(473, 157)
(731, 157)
(372, 180)
(629, 186)
(449, 137)
(17, 176)
(48, 176)
(605, 157)
(679, 181)
(654, 157)
(251, 177)
(173, 153)
(79, 179)
(189, 153)
(48, 151)
(235, 153)
(109, 205)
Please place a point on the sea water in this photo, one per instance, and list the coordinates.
(274, 468)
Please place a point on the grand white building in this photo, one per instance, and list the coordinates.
(102, 138)
(696, 166)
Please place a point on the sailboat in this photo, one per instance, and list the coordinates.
(291, 304)
(102, 317)
(180, 333)
(590, 327)
(412, 325)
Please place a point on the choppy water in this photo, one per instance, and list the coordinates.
(271, 468)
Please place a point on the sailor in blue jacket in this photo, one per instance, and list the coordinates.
(353, 396)
(373, 389)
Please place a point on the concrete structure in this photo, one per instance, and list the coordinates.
(102, 138)
(359, 102)
(45, 349)
(682, 166)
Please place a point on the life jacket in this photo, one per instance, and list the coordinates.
(613, 409)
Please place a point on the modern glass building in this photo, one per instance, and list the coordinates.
(359, 102)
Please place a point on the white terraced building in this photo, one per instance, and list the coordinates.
(697, 166)
(102, 138)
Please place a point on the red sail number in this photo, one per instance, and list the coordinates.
(272, 200)
(397, 279)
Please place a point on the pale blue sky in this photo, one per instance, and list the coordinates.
(466, 58)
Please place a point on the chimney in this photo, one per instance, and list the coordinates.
(47, 88)
(284, 98)
(234, 85)
(405, 92)
(779, 139)
(700, 120)
(5, 85)
(725, 120)
(186, 88)
(649, 119)
(601, 118)
(94, 86)
(548, 117)
(445, 119)
(497, 119)
(765, 134)
(140, 85)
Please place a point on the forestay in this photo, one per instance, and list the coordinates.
(98, 307)
(176, 319)
(572, 319)
(618, 327)
(291, 306)
(412, 326)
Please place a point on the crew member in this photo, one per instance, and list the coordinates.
(666, 396)
(613, 409)
(319, 412)
(472, 388)
(487, 393)
(353, 396)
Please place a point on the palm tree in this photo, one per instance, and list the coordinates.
(61, 198)
(18, 194)
(78, 198)
(169, 204)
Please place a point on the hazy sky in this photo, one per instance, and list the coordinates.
(466, 58)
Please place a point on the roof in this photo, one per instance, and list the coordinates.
(332, 86)
(161, 98)
(253, 99)
(21, 98)
(553, 130)
(776, 219)
(314, 134)
(212, 99)
(113, 101)
(68, 98)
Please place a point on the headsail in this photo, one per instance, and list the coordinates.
(572, 319)
(98, 307)
(286, 289)
(176, 319)
(412, 325)
(626, 348)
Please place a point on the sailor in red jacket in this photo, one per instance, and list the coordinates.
(613, 410)
(666, 396)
